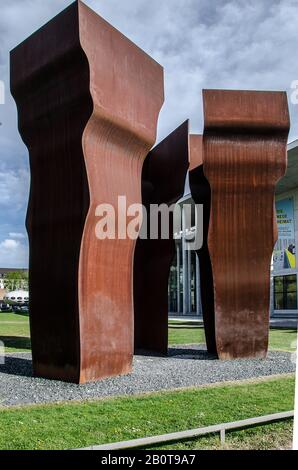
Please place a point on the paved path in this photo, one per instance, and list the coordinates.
(283, 323)
(186, 366)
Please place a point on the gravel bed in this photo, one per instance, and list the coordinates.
(185, 366)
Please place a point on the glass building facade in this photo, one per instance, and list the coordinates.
(184, 286)
(184, 279)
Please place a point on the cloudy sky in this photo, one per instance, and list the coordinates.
(241, 44)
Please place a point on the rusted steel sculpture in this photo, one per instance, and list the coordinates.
(88, 102)
(163, 181)
(244, 156)
(201, 194)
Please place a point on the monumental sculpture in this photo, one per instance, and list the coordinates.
(88, 102)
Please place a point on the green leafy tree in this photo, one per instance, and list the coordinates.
(16, 280)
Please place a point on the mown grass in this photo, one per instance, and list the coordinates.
(75, 425)
(14, 332)
(277, 436)
(190, 335)
(279, 339)
(13, 317)
(283, 340)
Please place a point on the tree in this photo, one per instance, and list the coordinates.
(16, 280)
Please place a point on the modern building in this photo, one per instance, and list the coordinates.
(17, 297)
(284, 263)
(184, 281)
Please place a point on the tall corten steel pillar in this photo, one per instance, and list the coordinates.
(201, 194)
(163, 181)
(244, 154)
(88, 102)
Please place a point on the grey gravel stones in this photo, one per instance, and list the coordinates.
(185, 366)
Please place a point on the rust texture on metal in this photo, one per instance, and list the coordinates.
(244, 154)
(163, 181)
(88, 101)
(201, 194)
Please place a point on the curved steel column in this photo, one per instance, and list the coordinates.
(163, 182)
(244, 156)
(88, 102)
(201, 194)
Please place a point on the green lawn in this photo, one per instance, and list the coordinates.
(283, 340)
(13, 317)
(190, 335)
(14, 332)
(73, 425)
(128, 418)
(278, 436)
(279, 339)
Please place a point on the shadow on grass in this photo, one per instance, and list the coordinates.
(195, 352)
(17, 342)
(185, 326)
(21, 314)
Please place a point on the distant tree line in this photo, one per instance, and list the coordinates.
(16, 280)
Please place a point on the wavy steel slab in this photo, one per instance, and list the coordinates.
(201, 194)
(163, 181)
(244, 155)
(88, 102)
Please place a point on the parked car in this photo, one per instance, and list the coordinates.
(5, 308)
(16, 308)
(24, 309)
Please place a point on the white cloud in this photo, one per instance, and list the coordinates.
(225, 44)
(9, 244)
(17, 235)
(14, 189)
(201, 44)
(13, 254)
